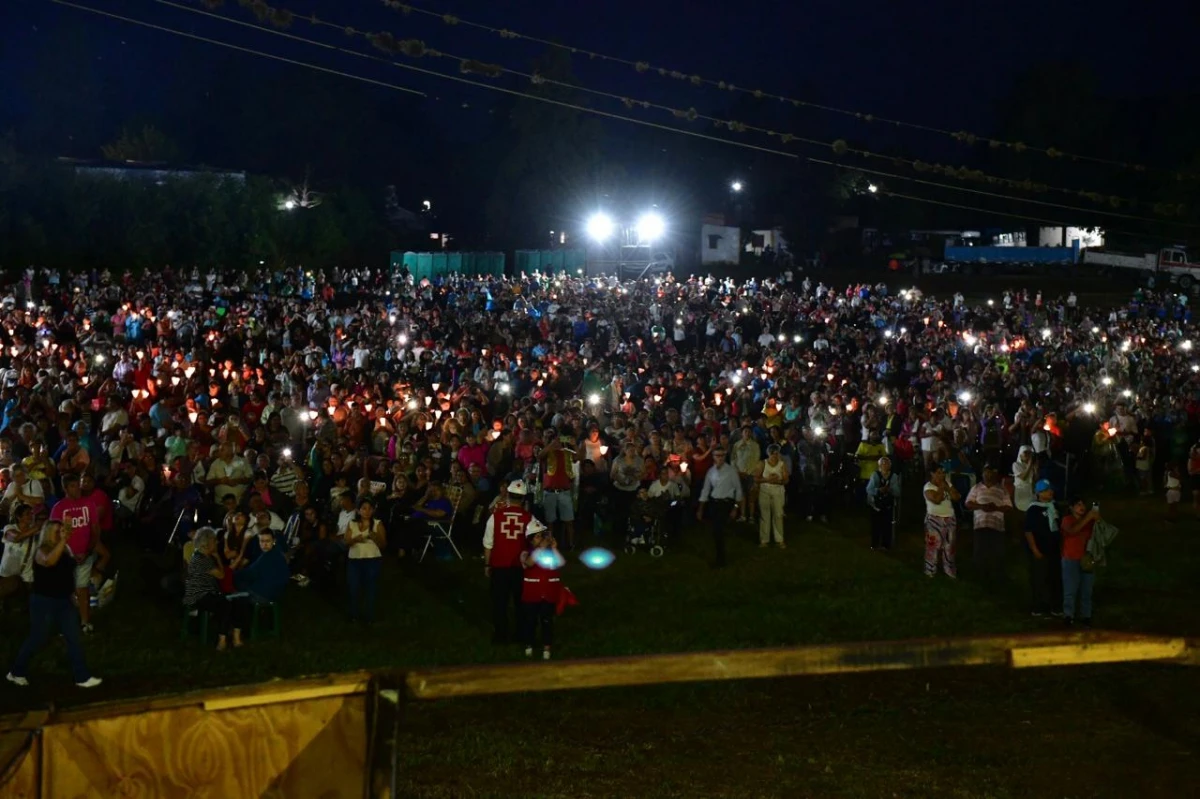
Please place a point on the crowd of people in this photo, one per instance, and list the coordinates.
(320, 422)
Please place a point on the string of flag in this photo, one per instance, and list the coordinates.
(651, 69)
(386, 42)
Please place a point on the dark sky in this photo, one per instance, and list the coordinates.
(936, 62)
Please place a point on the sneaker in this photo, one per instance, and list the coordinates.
(88, 628)
(762, 545)
(782, 545)
(15, 680)
(1056, 614)
(808, 518)
(1037, 614)
(528, 651)
(545, 654)
(90, 682)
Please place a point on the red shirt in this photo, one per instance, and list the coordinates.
(558, 476)
(1074, 545)
(541, 585)
(508, 536)
(79, 519)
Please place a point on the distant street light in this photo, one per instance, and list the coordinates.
(289, 204)
(871, 187)
(428, 205)
(736, 186)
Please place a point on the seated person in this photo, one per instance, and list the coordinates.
(643, 514)
(264, 579)
(433, 507)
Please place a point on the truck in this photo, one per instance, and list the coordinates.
(1170, 261)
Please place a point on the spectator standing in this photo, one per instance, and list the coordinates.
(366, 540)
(1077, 528)
(747, 457)
(557, 483)
(504, 541)
(540, 589)
(883, 495)
(771, 478)
(941, 523)
(50, 605)
(78, 517)
(722, 487)
(988, 501)
(1043, 543)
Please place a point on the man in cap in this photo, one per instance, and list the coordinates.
(1043, 543)
(504, 539)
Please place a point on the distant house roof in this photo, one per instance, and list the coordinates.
(144, 170)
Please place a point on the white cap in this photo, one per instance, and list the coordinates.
(518, 487)
(535, 527)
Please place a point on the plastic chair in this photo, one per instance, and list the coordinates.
(256, 615)
(442, 529)
(202, 616)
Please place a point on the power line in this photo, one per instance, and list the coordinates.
(548, 100)
(645, 67)
(1002, 196)
(239, 48)
(414, 48)
(420, 70)
(1055, 222)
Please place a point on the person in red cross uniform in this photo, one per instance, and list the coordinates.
(504, 539)
(541, 592)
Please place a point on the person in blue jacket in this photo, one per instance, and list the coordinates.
(263, 580)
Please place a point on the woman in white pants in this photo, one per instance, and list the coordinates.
(772, 478)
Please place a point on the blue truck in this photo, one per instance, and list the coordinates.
(967, 257)
(1171, 263)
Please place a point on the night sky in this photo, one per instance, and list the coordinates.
(935, 62)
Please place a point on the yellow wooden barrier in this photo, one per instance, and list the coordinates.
(335, 736)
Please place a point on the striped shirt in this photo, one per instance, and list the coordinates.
(199, 582)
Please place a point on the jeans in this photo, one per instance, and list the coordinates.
(44, 613)
(362, 582)
(1077, 582)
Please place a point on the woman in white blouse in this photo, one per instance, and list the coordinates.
(366, 539)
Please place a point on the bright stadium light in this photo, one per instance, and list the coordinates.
(651, 226)
(736, 186)
(600, 227)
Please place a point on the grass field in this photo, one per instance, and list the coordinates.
(1077, 732)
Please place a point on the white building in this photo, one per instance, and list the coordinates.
(719, 244)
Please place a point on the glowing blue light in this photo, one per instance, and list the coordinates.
(548, 559)
(597, 558)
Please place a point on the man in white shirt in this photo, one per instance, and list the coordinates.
(24, 490)
(228, 474)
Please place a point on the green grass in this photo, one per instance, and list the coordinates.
(1103, 731)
